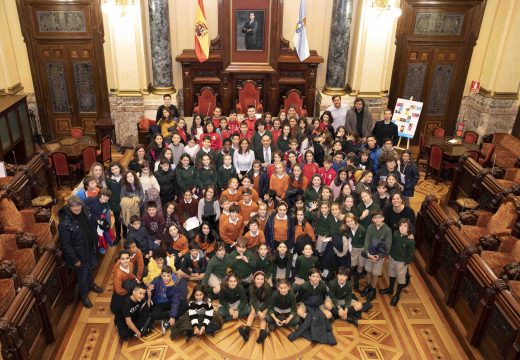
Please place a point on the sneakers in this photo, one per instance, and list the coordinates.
(261, 337)
(165, 325)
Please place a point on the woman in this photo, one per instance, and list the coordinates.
(409, 175)
(115, 183)
(98, 172)
(137, 161)
(132, 197)
(243, 158)
(279, 228)
(398, 211)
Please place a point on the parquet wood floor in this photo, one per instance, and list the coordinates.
(415, 329)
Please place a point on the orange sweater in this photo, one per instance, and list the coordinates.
(233, 198)
(261, 223)
(181, 245)
(230, 232)
(304, 230)
(208, 248)
(280, 229)
(303, 185)
(121, 276)
(279, 185)
(254, 194)
(138, 262)
(254, 240)
(246, 210)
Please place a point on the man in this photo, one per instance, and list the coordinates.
(250, 29)
(264, 153)
(78, 237)
(375, 152)
(338, 111)
(167, 100)
(359, 119)
(385, 129)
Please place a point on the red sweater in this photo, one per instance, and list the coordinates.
(216, 141)
(185, 211)
(327, 176)
(309, 170)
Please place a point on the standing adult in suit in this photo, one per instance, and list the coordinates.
(250, 30)
(385, 129)
(264, 153)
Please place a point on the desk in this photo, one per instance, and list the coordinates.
(70, 146)
(451, 150)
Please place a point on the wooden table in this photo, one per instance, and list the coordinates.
(70, 146)
(451, 150)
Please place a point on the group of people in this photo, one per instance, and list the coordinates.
(276, 217)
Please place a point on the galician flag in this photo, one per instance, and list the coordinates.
(300, 36)
(201, 33)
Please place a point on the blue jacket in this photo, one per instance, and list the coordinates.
(375, 154)
(142, 239)
(269, 231)
(263, 184)
(176, 294)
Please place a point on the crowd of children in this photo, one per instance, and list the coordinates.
(276, 218)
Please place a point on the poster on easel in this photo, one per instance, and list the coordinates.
(406, 117)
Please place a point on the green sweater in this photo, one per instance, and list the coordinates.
(256, 302)
(383, 233)
(358, 239)
(336, 292)
(307, 290)
(403, 249)
(185, 178)
(368, 220)
(229, 296)
(223, 176)
(304, 264)
(335, 226)
(217, 267)
(201, 153)
(282, 302)
(310, 194)
(206, 177)
(264, 265)
(241, 268)
(322, 225)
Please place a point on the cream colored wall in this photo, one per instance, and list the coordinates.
(495, 57)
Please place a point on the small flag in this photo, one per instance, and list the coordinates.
(201, 33)
(300, 36)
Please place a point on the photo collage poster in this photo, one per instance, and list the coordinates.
(406, 117)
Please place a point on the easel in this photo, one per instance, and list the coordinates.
(398, 146)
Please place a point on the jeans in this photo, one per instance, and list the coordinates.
(84, 274)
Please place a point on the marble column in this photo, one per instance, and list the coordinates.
(161, 47)
(339, 42)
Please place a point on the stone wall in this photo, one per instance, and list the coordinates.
(486, 115)
(125, 113)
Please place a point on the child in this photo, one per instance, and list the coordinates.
(304, 263)
(166, 178)
(215, 139)
(277, 157)
(100, 210)
(262, 216)
(280, 228)
(193, 264)
(206, 174)
(242, 262)
(114, 183)
(226, 150)
(264, 263)
(365, 182)
(174, 242)
(231, 228)
(364, 161)
(339, 181)
(122, 271)
(303, 232)
(313, 293)
(156, 263)
(201, 314)
(259, 295)
(282, 143)
(156, 147)
(232, 193)
(206, 148)
(298, 180)
(90, 188)
(133, 316)
(232, 299)
(168, 155)
(225, 172)
(346, 190)
(270, 201)
(338, 161)
(310, 168)
(321, 222)
(247, 184)
(282, 262)
(248, 208)
(393, 184)
(258, 178)
(140, 236)
(340, 293)
(170, 215)
(254, 237)
(381, 195)
(313, 190)
(192, 147)
(378, 242)
(206, 238)
(136, 258)
(147, 178)
(365, 208)
(282, 306)
(197, 128)
(154, 221)
(233, 123)
(293, 146)
(276, 130)
(260, 131)
(182, 131)
(217, 268)
(356, 234)
(279, 182)
(209, 208)
(327, 173)
(401, 255)
(188, 207)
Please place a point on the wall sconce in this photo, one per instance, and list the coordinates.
(383, 7)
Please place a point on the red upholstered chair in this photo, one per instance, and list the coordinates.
(62, 166)
(438, 132)
(76, 132)
(88, 157)
(485, 160)
(295, 98)
(475, 155)
(470, 137)
(249, 95)
(206, 101)
(104, 154)
(24, 259)
(437, 162)
(508, 252)
(423, 153)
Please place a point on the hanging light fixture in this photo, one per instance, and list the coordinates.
(385, 7)
(119, 2)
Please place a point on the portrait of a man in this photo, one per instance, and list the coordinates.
(250, 30)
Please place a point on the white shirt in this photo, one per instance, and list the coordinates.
(243, 162)
(339, 116)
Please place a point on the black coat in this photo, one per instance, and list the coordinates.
(73, 239)
(316, 327)
(382, 131)
(166, 180)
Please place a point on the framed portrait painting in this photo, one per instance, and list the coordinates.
(250, 31)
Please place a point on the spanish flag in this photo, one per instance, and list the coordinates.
(201, 33)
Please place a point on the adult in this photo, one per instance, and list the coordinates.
(385, 129)
(409, 175)
(338, 112)
(243, 158)
(139, 156)
(264, 152)
(167, 103)
(78, 238)
(359, 119)
(250, 30)
(398, 211)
